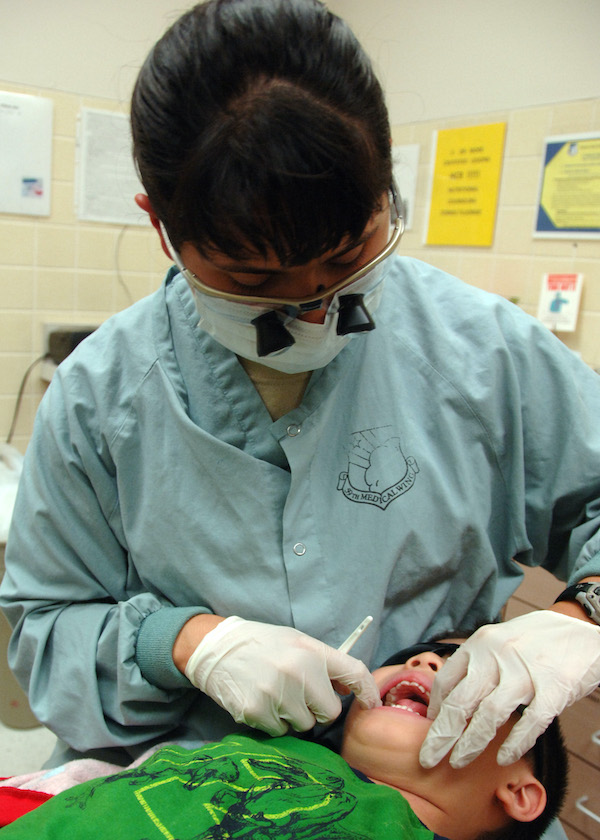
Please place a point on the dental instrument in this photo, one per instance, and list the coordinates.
(355, 635)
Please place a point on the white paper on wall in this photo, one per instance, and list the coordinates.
(25, 154)
(405, 162)
(106, 177)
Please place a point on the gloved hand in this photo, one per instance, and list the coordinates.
(543, 660)
(269, 676)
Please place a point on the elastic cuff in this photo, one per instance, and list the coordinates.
(154, 648)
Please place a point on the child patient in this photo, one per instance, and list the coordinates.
(255, 787)
(479, 801)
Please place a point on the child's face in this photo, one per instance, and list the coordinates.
(384, 743)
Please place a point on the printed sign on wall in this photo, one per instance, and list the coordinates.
(558, 305)
(106, 180)
(25, 154)
(405, 160)
(466, 180)
(569, 203)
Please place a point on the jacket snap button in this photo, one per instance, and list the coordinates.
(299, 549)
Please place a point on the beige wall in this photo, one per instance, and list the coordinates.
(516, 262)
(59, 270)
(435, 58)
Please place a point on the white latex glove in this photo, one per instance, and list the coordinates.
(269, 676)
(543, 660)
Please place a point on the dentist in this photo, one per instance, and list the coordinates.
(299, 428)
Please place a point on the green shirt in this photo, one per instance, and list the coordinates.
(240, 787)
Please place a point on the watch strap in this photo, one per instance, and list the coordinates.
(586, 594)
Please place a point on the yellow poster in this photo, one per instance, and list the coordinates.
(466, 180)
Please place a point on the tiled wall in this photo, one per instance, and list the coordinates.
(60, 270)
(516, 262)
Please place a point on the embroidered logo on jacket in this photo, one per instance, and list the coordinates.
(377, 472)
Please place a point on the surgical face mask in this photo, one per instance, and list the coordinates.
(315, 345)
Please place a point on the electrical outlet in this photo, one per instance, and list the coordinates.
(62, 327)
(58, 341)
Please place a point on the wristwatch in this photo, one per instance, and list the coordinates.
(587, 594)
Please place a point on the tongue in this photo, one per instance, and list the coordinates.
(412, 706)
(400, 696)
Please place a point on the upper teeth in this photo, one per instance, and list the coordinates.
(415, 687)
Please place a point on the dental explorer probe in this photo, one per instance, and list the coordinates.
(355, 635)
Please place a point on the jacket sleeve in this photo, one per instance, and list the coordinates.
(550, 449)
(73, 598)
(538, 410)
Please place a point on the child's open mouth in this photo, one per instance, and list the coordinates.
(409, 694)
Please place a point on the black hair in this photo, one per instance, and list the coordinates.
(260, 124)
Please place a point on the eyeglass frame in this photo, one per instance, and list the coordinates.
(303, 302)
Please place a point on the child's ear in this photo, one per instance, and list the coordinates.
(523, 797)
(143, 202)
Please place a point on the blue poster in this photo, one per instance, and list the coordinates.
(569, 202)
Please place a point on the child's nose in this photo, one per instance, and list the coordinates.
(427, 660)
